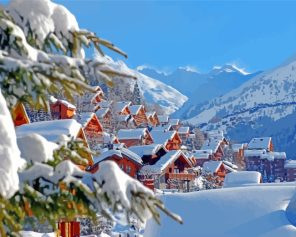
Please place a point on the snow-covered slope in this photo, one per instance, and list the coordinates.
(201, 87)
(263, 106)
(154, 91)
(232, 212)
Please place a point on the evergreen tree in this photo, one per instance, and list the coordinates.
(136, 95)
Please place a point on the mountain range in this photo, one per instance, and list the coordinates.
(265, 105)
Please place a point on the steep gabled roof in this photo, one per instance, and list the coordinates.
(212, 166)
(102, 112)
(202, 154)
(54, 100)
(148, 150)
(174, 122)
(85, 117)
(211, 144)
(163, 118)
(183, 130)
(135, 109)
(160, 137)
(120, 105)
(51, 130)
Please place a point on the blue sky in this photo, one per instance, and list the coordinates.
(168, 34)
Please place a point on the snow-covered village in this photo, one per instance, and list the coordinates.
(97, 142)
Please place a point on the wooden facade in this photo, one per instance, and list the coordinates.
(93, 129)
(62, 110)
(174, 143)
(140, 116)
(153, 119)
(19, 115)
(105, 117)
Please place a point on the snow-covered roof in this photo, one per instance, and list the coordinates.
(202, 154)
(174, 122)
(259, 143)
(211, 144)
(102, 112)
(212, 166)
(51, 130)
(217, 134)
(263, 154)
(167, 159)
(85, 117)
(147, 150)
(105, 103)
(228, 163)
(135, 109)
(120, 105)
(166, 127)
(119, 152)
(290, 164)
(241, 178)
(183, 130)
(136, 133)
(160, 137)
(237, 147)
(163, 118)
(64, 102)
(123, 117)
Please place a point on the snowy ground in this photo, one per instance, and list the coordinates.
(232, 212)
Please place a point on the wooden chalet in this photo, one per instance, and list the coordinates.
(135, 137)
(238, 155)
(122, 107)
(127, 160)
(216, 171)
(98, 96)
(175, 124)
(125, 121)
(153, 119)
(290, 167)
(105, 117)
(61, 109)
(184, 133)
(19, 115)
(150, 154)
(53, 131)
(170, 139)
(92, 127)
(261, 143)
(216, 146)
(163, 119)
(171, 171)
(138, 113)
(201, 156)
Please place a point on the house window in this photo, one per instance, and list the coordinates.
(121, 166)
(176, 171)
(128, 169)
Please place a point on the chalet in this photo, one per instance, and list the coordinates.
(170, 171)
(290, 167)
(153, 119)
(98, 96)
(54, 130)
(238, 155)
(269, 164)
(19, 115)
(150, 154)
(103, 104)
(163, 119)
(261, 143)
(170, 139)
(127, 160)
(175, 123)
(105, 117)
(92, 127)
(122, 107)
(201, 156)
(61, 109)
(125, 121)
(135, 137)
(184, 133)
(242, 178)
(138, 113)
(216, 146)
(216, 170)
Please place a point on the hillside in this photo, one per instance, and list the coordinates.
(263, 106)
(211, 213)
(154, 91)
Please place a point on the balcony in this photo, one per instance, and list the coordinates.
(180, 176)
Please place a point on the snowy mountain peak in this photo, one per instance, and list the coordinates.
(189, 69)
(228, 68)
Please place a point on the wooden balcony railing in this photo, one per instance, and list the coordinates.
(180, 176)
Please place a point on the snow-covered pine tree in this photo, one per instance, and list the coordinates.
(136, 95)
(41, 53)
